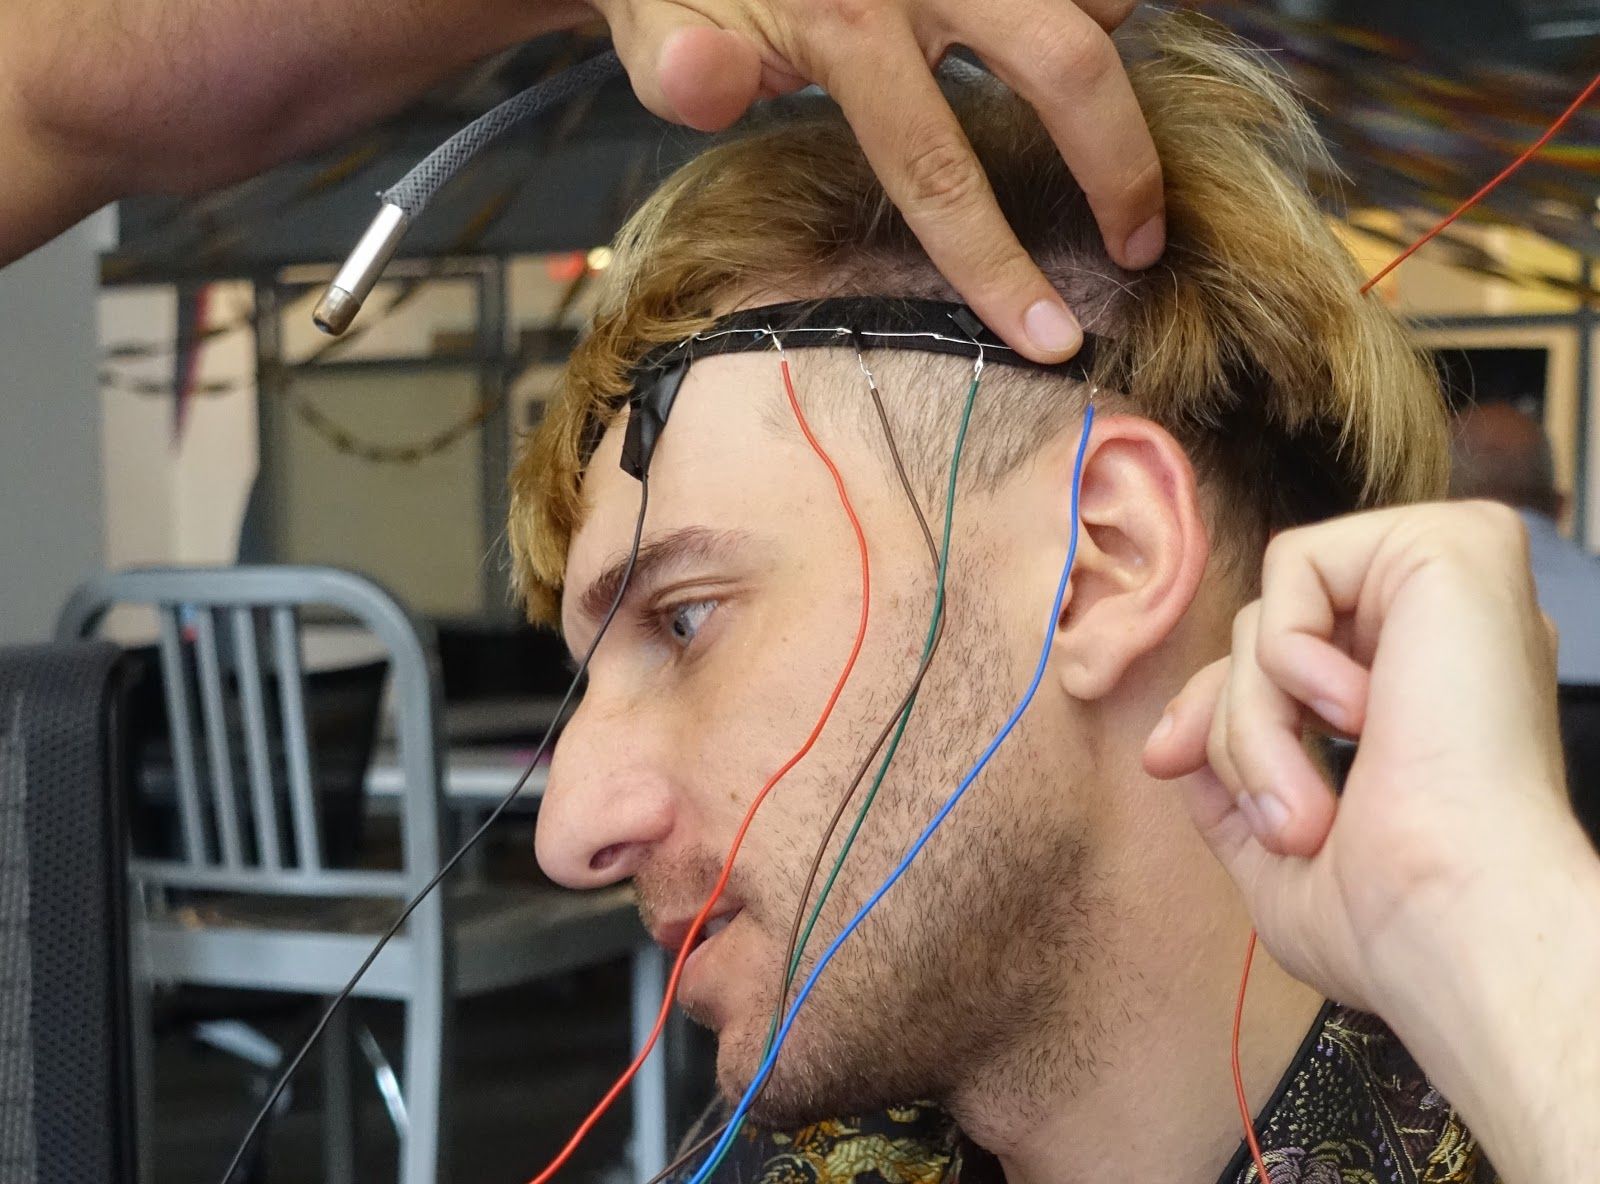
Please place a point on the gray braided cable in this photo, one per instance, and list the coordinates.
(402, 203)
(415, 190)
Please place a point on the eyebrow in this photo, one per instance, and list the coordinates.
(678, 548)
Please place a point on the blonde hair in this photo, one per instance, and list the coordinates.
(1295, 396)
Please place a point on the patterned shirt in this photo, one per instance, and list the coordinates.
(1353, 1108)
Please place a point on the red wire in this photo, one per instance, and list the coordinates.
(1249, 954)
(1516, 164)
(1238, 1075)
(727, 868)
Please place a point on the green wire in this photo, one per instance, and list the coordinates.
(894, 743)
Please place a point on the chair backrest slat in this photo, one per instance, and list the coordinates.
(292, 706)
(180, 711)
(263, 793)
(214, 716)
(222, 687)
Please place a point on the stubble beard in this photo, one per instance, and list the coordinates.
(973, 956)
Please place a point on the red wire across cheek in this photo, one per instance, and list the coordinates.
(632, 1070)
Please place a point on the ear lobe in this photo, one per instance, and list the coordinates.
(1142, 550)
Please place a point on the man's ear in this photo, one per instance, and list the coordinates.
(1142, 549)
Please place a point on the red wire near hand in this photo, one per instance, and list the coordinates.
(632, 1070)
(1238, 1075)
(1526, 155)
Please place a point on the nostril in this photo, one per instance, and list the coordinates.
(606, 857)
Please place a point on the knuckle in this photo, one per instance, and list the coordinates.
(1140, 185)
(1501, 528)
(1279, 553)
(849, 14)
(1552, 632)
(1075, 56)
(1238, 743)
(1112, 13)
(1244, 627)
(941, 174)
(1496, 519)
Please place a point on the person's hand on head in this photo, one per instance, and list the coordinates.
(1447, 885)
(80, 134)
(704, 64)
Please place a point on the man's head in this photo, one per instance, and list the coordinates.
(1500, 453)
(1242, 385)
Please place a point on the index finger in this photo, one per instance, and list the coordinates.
(916, 146)
(1068, 68)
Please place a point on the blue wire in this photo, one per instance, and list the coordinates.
(765, 1070)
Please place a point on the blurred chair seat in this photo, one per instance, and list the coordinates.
(500, 935)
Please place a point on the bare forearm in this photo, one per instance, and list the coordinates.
(42, 192)
(113, 97)
(1501, 1015)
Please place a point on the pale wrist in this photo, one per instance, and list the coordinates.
(1494, 996)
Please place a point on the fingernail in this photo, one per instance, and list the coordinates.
(1144, 246)
(1160, 732)
(1273, 812)
(1051, 328)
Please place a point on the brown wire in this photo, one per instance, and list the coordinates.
(883, 736)
(700, 1145)
(685, 1156)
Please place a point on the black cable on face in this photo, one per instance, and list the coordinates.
(449, 864)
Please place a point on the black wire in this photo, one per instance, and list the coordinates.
(449, 864)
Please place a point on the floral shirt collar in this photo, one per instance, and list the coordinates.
(1353, 1108)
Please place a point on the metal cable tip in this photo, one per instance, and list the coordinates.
(344, 296)
(335, 311)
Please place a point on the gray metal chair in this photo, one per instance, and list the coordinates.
(287, 921)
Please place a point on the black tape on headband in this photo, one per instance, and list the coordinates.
(868, 322)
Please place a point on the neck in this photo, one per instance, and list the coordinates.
(1131, 1080)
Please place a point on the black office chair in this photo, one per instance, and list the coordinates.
(66, 1076)
(1580, 738)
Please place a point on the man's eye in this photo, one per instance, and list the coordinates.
(684, 622)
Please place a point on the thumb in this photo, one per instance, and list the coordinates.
(683, 66)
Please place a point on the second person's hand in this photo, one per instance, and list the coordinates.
(704, 62)
(1449, 889)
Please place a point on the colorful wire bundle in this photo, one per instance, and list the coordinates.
(950, 803)
(727, 868)
(798, 937)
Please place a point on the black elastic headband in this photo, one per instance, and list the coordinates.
(868, 322)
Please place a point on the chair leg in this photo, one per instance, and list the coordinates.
(338, 1101)
(384, 1077)
(649, 1151)
(424, 1143)
(141, 1046)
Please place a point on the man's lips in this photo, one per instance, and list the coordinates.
(670, 935)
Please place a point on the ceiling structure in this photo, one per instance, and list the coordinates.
(1421, 101)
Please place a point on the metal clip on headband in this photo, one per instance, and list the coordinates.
(870, 322)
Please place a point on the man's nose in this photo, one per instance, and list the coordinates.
(606, 801)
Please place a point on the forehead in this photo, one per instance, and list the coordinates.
(729, 458)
